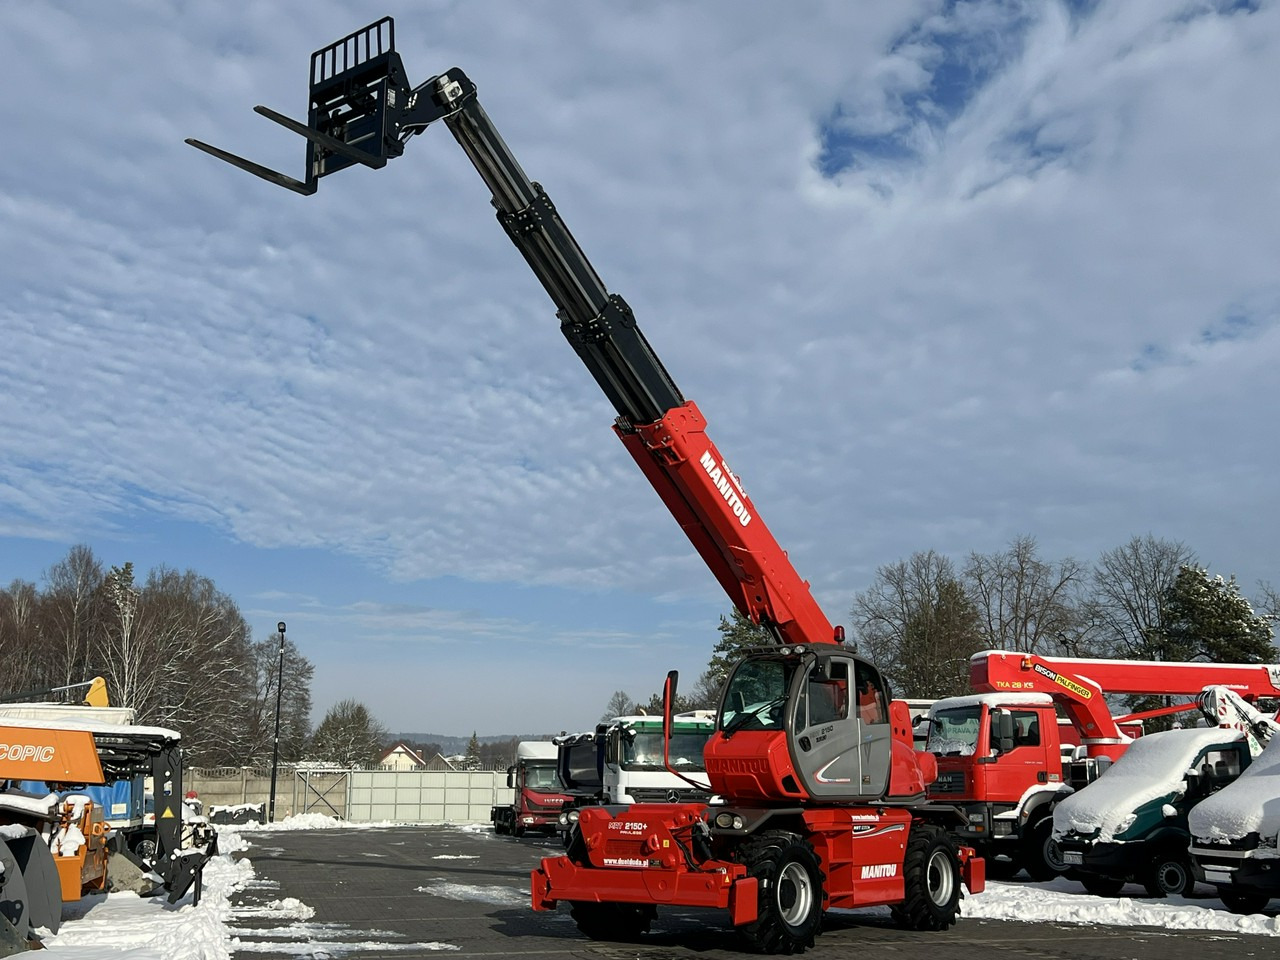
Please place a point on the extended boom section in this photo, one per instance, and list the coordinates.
(362, 110)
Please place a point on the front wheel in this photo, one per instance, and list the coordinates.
(1168, 874)
(789, 895)
(1041, 854)
(1243, 900)
(931, 881)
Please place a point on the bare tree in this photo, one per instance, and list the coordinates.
(1268, 605)
(70, 616)
(258, 740)
(1026, 604)
(348, 735)
(917, 623)
(20, 645)
(619, 705)
(1130, 587)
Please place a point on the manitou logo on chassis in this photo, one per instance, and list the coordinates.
(875, 871)
(727, 484)
(26, 751)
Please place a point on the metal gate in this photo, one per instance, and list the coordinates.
(323, 792)
(423, 796)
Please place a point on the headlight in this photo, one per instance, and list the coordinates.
(573, 816)
(729, 821)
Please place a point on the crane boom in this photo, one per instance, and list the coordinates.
(1079, 685)
(363, 110)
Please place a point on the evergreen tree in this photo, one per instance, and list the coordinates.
(1207, 618)
(472, 761)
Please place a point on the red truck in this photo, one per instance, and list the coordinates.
(825, 802)
(1001, 754)
(537, 795)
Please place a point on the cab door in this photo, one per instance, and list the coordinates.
(825, 739)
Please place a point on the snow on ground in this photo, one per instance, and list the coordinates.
(102, 927)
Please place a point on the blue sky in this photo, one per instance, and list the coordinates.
(939, 274)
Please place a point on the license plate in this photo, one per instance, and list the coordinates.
(1217, 876)
(1075, 859)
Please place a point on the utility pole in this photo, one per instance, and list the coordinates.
(275, 757)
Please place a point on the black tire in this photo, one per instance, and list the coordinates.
(1101, 886)
(144, 848)
(614, 922)
(1243, 900)
(790, 894)
(931, 881)
(517, 830)
(1168, 873)
(1041, 854)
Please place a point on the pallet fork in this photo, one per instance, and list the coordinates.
(362, 108)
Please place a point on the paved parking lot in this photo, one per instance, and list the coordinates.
(409, 892)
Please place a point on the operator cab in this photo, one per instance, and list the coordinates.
(819, 713)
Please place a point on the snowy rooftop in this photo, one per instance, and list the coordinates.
(93, 726)
(997, 699)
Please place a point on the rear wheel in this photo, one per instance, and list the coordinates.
(1040, 852)
(1101, 886)
(790, 892)
(1168, 873)
(931, 881)
(618, 922)
(1242, 900)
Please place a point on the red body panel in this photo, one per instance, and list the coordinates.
(752, 766)
(634, 859)
(717, 516)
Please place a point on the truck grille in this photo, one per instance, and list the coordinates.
(672, 795)
(950, 781)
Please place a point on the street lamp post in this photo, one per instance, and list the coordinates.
(275, 757)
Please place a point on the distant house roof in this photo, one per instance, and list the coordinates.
(402, 749)
(439, 762)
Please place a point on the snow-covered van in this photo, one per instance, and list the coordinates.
(1130, 825)
(1234, 836)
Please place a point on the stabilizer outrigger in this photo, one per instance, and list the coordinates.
(362, 108)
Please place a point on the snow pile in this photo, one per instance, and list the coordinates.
(1250, 804)
(305, 821)
(1064, 901)
(1151, 768)
(483, 893)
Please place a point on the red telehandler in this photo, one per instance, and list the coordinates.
(825, 801)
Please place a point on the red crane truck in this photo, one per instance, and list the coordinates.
(1000, 753)
(825, 802)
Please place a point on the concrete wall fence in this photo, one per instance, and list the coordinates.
(359, 796)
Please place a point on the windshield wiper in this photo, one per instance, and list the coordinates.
(740, 720)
